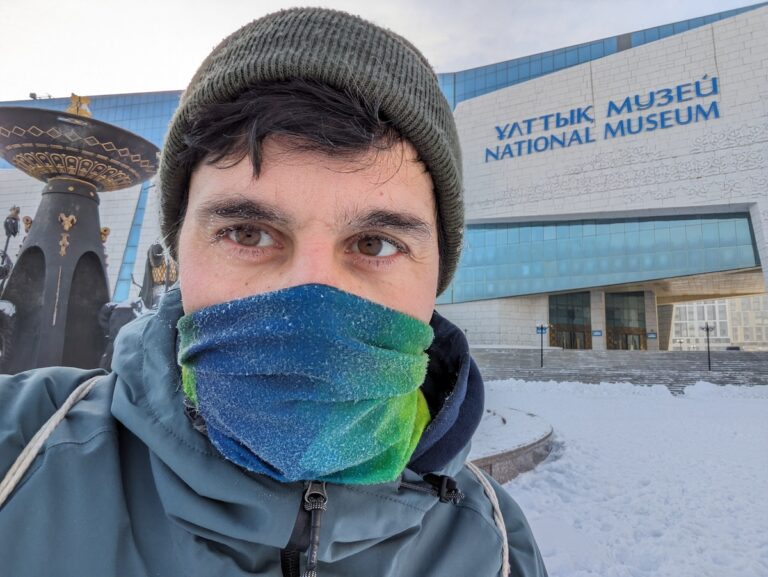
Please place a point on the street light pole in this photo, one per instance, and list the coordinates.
(708, 329)
(541, 328)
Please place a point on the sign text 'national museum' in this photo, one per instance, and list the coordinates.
(684, 104)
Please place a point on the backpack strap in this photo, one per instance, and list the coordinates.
(28, 455)
(498, 518)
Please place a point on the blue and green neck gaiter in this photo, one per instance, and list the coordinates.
(308, 383)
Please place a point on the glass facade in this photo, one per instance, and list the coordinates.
(659, 32)
(689, 318)
(748, 324)
(124, 279)
(625, 321)
(460, 86)
(504, 260)
(570, 321)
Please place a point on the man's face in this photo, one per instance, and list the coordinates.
(365, 226)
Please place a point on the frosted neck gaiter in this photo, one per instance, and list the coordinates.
(308, 383)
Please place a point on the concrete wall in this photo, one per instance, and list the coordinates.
(510, 322)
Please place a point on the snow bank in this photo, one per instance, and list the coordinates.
(646, 484)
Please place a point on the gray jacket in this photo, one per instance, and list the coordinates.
(127, 486)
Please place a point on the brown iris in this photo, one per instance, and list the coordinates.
(245, 237)
(370, 246)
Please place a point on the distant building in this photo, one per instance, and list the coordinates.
(608, 186)
(608, 182)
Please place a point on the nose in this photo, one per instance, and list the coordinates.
(316, 262)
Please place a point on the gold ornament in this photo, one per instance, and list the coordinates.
(67, 222)
(63, 244)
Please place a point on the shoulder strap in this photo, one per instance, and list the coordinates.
(27, 456)
(498, 518)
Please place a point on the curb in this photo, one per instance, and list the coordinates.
(504, 467)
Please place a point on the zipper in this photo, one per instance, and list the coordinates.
(316, 503)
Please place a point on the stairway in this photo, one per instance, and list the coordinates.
(675, 369)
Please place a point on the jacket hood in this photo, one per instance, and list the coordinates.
(198, 488)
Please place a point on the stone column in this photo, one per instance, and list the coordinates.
(597, 313)
(665, 313)
(651, 320)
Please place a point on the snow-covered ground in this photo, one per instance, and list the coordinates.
(645, 484)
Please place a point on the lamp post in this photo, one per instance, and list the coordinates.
(541, 329)
(708, 329)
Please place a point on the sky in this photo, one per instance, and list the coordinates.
(91, 47)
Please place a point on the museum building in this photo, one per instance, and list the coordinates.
(605, 183)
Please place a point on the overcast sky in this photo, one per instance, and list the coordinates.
(92, 47)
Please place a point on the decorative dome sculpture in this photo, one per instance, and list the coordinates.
(59, 282)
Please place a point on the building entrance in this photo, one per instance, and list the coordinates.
(625, 321)
(570, 321)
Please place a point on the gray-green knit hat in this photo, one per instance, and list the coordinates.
(341, 51)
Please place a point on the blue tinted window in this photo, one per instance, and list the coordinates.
(523, 258)
(666, 30)
(709, 235)
(547, 63)
(524, 70)
(616, 244)
(536, 67)
(727, 232)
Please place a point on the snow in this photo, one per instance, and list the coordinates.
(642, 483)
(7, 308)
(504, 428)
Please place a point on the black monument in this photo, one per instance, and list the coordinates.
(59, 283)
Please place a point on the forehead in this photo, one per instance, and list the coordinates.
(289, 173)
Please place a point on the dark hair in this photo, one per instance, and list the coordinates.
(311, 116)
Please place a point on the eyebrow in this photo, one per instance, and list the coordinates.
(399, 221)
(244, 209)
(240, 209)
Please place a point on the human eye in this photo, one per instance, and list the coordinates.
(376, 246)
(247, 236)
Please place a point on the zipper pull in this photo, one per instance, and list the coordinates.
(316, 502)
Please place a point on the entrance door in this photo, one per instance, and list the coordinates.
(569, 317)
(570, 339)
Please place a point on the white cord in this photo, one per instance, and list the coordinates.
(28, 455)
(498, 518)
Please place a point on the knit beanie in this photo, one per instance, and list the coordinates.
(341, 51)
